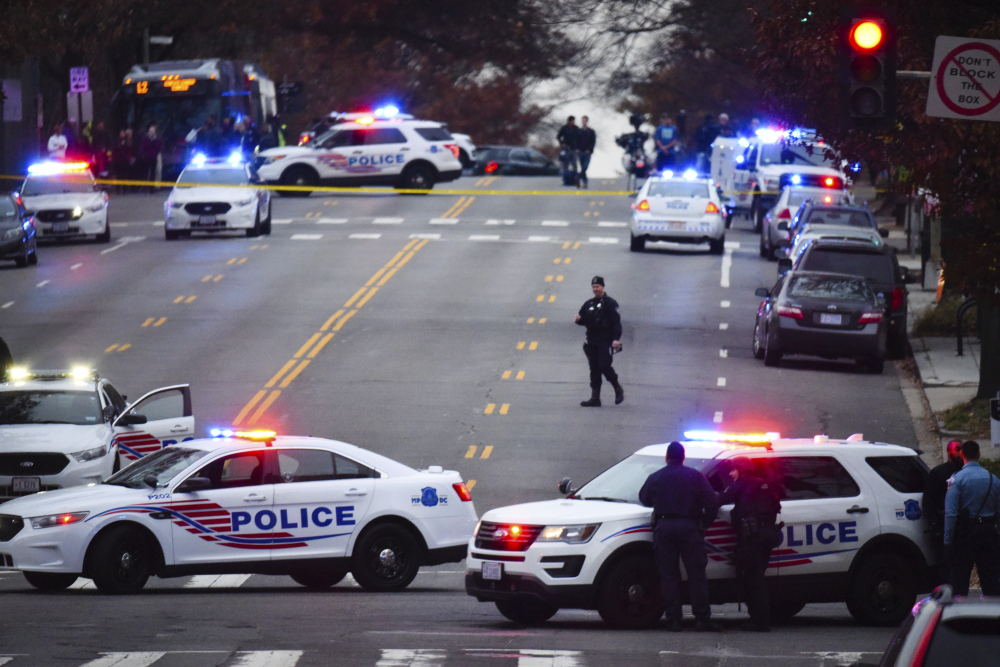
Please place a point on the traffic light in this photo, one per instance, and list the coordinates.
(868, 68)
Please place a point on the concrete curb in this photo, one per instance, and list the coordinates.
(921, 416)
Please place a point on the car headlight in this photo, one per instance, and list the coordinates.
(13, 234)
(57, 519)
(174, 204)
(245, 202)
(271, 159)
(576, 534)
(94, 208)
(77, 213)
(90, 454)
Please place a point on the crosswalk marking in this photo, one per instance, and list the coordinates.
(365, 236)
(421, 657)
(433, 237)
(484, 237)
(306, 237)
(267, 658)
(137, 659)
(444, 221)
(606, 223)
(539, 238)
(281, 221)
(216, 581)
(500, 222)
(554, 223)
(82, 583)
(332, 221)
(387, 221)
(602, 239)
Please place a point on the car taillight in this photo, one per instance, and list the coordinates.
(491, 167)
(897, 299)
(785, 214)
(790, 311)
(453, 148)
(711, 208)
(831, 182)
(463, 491)
(870, 318)
(643, 205)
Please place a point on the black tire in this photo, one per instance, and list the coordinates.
(763, 249)
(266, 227)
(895, 345)
(254, 231)
(118, 462)
(638, 243)
(883, 590)
(526, 612)
(875, 365)
(301, 176)
(717, 246)
(417, 177)
(171, 234)
(33, 257)
(21, 262)
(319, 579)
(630, 595)
(772, 355)
(783, 610)
(386, 558)
(50, 581)
(105, 236)
(758, 344)
(464, 158)
(121, 560)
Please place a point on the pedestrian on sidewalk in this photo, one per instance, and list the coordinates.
(6, 360)
(586, 140)
(935, 490)
(604, 332)
(971, 536)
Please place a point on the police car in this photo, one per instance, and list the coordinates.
(66, 201)
(404, 153)
(852, 530)
(67, 428)
(217, 195)
(248, 502)
(683, 208)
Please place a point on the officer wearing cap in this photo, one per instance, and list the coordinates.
(933, 501)
(604, 331)
(755, 511)
(971, 537)
(683, 506)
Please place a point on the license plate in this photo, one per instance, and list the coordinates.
(206, 220)
(492, 571)
(675, 225)
(60, 227)
(32, 485)
(827, 318)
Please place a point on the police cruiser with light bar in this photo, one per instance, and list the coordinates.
(72, 427)
(244, 502)
(682, 207)
(66, 201)
(370, 150)
(851, 524)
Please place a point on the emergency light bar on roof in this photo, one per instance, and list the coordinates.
(78, 373)
(52, 168)
(743, 438)
(256, 436)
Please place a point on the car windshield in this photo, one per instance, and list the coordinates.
(876, 267)
(797, 154)
(234, 176)
(50, 407)
(975, 638)
(622, 481)
(487, 154)
(7, 208)
(164, 464)
(677, 189)
(829, 287)
(844, 217)
(35, 186)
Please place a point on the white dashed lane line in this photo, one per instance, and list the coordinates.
(365, 236)
(75, 267)
(539, 238)
(387, 221)
(606, 223)
(723, 326)
(724, 304)
(484, 237)
(332, 221)
(42, 284)
(721, 382)
(602, 239)
(7, 305)
(307, 237)
(433, 237)
(718, 417)
(554, 223)
(723, 353)
(444, 221)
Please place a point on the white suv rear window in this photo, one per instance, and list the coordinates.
(677, 189)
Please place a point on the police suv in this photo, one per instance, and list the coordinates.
(404, 153)
(66, 201)
(67, 428)
(243, 502)
(851, 527)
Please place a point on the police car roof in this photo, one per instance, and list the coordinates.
(702, 449)
(49, 384)
(385, 122)
(216, 163)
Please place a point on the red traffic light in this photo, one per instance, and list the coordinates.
(866, 35)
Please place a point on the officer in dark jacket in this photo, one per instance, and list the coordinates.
(933, 503)
(754, 514)
(6, 359)
(971, 536)
(684, 505)
(604, 331)
(568, 138)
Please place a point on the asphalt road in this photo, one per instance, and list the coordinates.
(435, 330)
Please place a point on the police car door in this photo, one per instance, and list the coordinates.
(828, 514)
(332, 155)
(233, 519)
(385, 150)
(320, 497)
(160, 418)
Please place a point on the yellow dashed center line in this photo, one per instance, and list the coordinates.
(343, 320)
(253, 401)
(112, 348)
(552, 298)
(471, 453)
(520, 375)
(541, 297)
(320, 345)
(277, 376)
(326, 325)
(160, 321)
(149, 320)
(544, 319)
(264, 406)
(124, 347)
(471, 484)
(566, 245)
(504, 408)
(308, 344)
(190, 299)
(533, 346)
(487, 450)
(294, 374)
(506, 375)
(217, 278)
(520, 345)
(489, 408)
(206, 279)
(232, 261)
(178, 299)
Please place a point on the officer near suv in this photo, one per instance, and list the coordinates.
(604, 332)
(971, 536)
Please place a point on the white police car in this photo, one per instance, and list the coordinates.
(682, 208)
(66, 201)
(248, 502)
(67, 428)
(404, 153)
(217, 195)
(852, 531)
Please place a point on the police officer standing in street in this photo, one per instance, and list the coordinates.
(754, 514)
(971, 537)
(933, 502)
(604, 331)
(684, 505)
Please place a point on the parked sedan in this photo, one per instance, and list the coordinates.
(828, 315)
(18, 235)
(513, 160)
(774, 232)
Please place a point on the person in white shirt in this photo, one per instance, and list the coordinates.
(57, 143)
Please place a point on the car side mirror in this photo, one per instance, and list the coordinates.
(784, 266)
(782, 226)
(762, 292)
(194, 484)
(108, 413)
(781, 253)
(129, 419)
(904, 273)
(565, 486)
(884, 233)
(151, 481)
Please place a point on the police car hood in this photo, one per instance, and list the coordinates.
(93, 498)
(567, 511)
(287, 151)
(65, 438)
(213, 193)
(68, 200)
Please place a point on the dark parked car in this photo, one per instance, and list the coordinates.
(18, 235)
(513, 160)
(828, 315)
(878, 265)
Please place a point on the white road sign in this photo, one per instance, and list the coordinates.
(965, 79)
(79, 80)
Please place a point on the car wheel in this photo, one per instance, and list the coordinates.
(883, 590)
(319, 579)
(386, 558)
(784, 610)
(526, 612)
(875, 365)
(299, 176)
(630, 596)
(463, 157)
(638, 243)
(895, 345)
(33, 257)
(417, 177)
(763, 248)
(717, 246)
(772, 355)
(266, 227)
(254, 231)
(21, 262)
(122, 560)
(172, 234)
(118, 462)
(105, 236)
(758, 345)
(50, 581)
